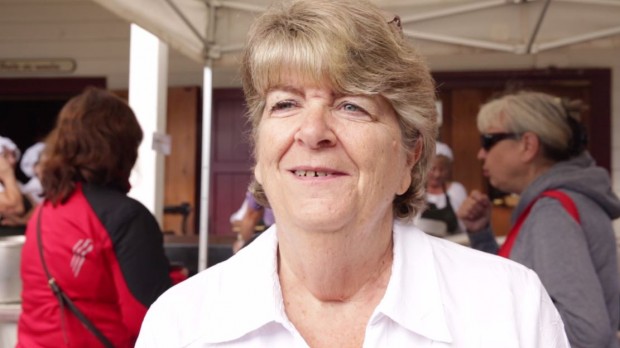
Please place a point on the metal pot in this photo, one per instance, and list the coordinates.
(10, 257)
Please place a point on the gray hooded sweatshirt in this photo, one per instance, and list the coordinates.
(576, 262)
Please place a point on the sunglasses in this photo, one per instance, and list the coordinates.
(487, 141)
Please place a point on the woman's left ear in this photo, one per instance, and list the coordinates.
(413, 156)
(531, 146)
(257, 175)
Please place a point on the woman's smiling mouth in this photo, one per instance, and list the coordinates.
(311, 173)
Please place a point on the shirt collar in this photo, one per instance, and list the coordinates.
(413, 298)
(253, 297)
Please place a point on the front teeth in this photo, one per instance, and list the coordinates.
(310, 173)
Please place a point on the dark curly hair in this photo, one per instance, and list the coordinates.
(95, 140)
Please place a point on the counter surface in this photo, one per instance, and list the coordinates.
(9, 312)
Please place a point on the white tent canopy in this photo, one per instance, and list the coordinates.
(212, 33)
(216, 29)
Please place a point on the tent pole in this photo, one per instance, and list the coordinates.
(207, 109)
(453, 11)
(461, 41)
(243, 6)
(185, 20)
(599, 34)
(594, 2)
(205, 173)
(528, 48)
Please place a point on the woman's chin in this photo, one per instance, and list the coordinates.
(314, 221)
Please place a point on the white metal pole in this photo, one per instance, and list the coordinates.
(594, 2)
(243, 6)
(205, 174)
(462, 41)
(541, 17)
(599, 34)
(454, 10)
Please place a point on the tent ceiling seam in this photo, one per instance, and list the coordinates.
(452, 11)
(541, 17)
(186, 21)
(463, 41)
(199, 31)
(545, 46)
(235, 5)
(593, 2)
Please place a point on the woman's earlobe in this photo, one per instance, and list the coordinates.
(531, 144)
(257, 175)
(413, 156)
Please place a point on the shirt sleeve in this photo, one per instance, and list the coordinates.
(158, 329)
(545, 321)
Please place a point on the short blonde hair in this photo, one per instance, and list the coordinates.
(555, 121)
(353, 46)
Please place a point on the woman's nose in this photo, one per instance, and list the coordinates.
(315, 130)
(482, 154)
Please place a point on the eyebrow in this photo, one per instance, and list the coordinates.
(286, 88)
(298, 91)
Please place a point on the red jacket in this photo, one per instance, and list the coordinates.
(105, 251)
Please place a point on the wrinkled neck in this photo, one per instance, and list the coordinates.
(338, 265)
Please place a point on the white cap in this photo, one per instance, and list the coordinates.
(6, 143)
(30, 159)
(443, 150)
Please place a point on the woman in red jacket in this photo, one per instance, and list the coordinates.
(104, 249)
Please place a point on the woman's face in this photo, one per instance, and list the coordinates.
(500, 164)
(329, 161)
(439, 172)
(38, 167)
(9, 156)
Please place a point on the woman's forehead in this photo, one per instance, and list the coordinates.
(6, 151)
(297, 81)
(293, 78)
(289, 78)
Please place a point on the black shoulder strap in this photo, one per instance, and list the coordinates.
(62, 297)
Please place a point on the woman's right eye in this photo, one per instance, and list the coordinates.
(283, 105)
(283, 108)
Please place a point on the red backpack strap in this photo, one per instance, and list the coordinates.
(564, 199)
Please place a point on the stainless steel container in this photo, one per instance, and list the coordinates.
(10, 257)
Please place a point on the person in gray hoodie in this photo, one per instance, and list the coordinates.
(534, 144)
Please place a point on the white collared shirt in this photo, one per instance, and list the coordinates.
(440, 294)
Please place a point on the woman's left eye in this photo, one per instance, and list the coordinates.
(353, 109)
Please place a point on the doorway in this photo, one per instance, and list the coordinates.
(29, 107)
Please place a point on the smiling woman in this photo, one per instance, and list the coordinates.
(327, 135)
(344, 122)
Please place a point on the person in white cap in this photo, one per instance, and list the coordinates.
(31, 192)
(11, 200)
(29, 164)
(443, 196)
